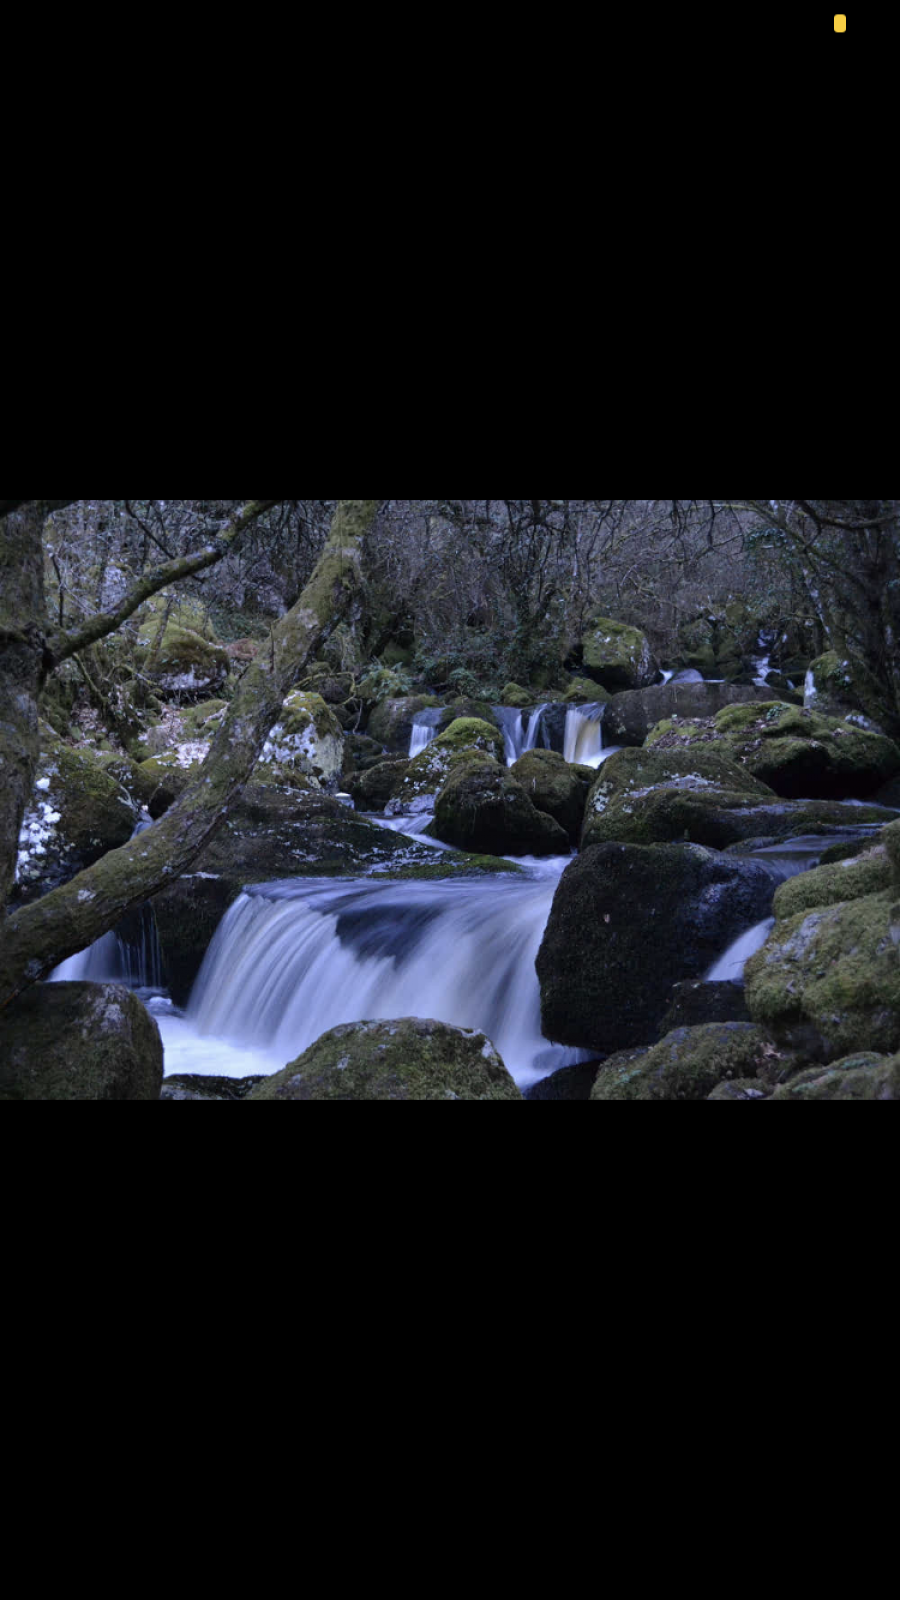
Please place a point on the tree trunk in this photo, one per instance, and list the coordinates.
(22, 620)
(40, 936)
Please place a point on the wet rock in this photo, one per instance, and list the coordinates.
(391, 723)
(863, 1076)
(617, 656)
(631, 717)
(692, 1005)
(656, 795)
(554, 787)
(688, 1064)
(627, 924)
(482, 808)
(831, 885)
(79, 1041)
(410, 1059)
(307, 742)
(827, 982)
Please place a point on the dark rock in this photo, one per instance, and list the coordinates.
(630, 717)
(79, 1041)
(692, 1005)
(627, 924)
(482, 808)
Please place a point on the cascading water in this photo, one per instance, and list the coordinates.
(130, 954)
(293, 960)
(730, 968)
(425, 729)
(584, 737)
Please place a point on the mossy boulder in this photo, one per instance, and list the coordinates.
(863, 1076)
(797, 752)
(627, 924)
(163, 780)
(181, 610)
(77, 813)
(184, 664)
(410, 1059)
(482, 808)
(555, 787)
(472, 733)
(890, 838)
(391, 723)
(827, 982)
(630, 718)
(514, 695)
(832, 885)
(374, 788)
(659, 795)
(687, 1065)
(583, 691)
(838, 686)
(617, 656)
(79, 1041)
(306, 743)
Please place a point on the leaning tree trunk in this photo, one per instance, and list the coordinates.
(40, 936)
(22, 622)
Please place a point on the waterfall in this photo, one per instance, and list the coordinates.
(810, 692)
(130, 954)
(425, 729)
(730, 968)
(293, 960)
(584, 737)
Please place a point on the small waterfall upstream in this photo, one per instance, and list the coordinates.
(425, 729)
(584, 737)
(293, 960)
(130, 954)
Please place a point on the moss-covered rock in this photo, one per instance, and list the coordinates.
(481, 807)
(184, 664)
(555, 787)
(583, 691)
(163, 779)
(863, 1076)
(687, 1065)
(827, 982)
(410, 1059)
(630, 718)
(79, 1041)
(839, 686)
(514, 695)
(306, 743)
(471, 733)
(891, 841)
(832, 885)
(797, 752)
(76, 814)
(659, 795)
(627, 924)
(374, 788)
(391, 723)
(617, 656)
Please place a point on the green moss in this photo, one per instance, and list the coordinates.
(828, 981)
(864, 1076)
(832, 885)
(618, 656)
(470, 733)
(409, 1059)
(79, 1041)
(687, 1065)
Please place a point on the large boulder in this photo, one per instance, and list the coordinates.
(76, 814)
(391, 723)
(692, 1005)
(555, 787)
(797, 752)
(687, 1065)
(183, 664)
(374, 788)
(79, 1041)
(827, 982)
(630, 717)
(307, 742)
(627, 923)
(656, 796)
(482, 808)
(617, 656)
(862, 1076)
(411, 1059)
(831, 885)
(838, 686)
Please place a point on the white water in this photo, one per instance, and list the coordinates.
(293, 960)
(519, 735)
(730, 968)
(584, 737)
(425, 729)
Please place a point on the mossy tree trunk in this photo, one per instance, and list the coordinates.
(22, 618)
(38, 937)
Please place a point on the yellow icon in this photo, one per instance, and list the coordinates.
(840, 24)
